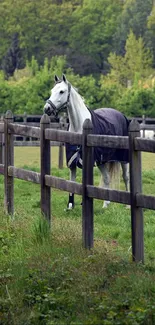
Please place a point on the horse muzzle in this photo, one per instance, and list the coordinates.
(50, 108)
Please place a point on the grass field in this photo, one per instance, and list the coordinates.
(48, 279)
(30, 156)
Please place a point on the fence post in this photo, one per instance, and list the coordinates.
(45, 168)
(25, 122)
(1, 144)
(8, 161)
(143, 121)
(136, 187)
(87, 178)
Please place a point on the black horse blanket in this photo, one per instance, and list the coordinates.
(105, 121)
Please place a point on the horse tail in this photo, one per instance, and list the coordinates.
(114, 170)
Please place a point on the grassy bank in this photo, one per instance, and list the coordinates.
(48, 279)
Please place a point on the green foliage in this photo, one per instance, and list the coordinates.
(137, 101)
(110, 93)
(134, 17)
(5, 96)
(137, 60)
(85, 31)
(28, 89)
(33, 65)
(78, 29)
(94, 25)
(13, 58)
(54, 281)
(40, 230)
(42, 26)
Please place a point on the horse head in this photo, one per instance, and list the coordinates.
(59, 98)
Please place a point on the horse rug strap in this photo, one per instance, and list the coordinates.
(73, 156)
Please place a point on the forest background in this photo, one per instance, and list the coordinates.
(105, 47)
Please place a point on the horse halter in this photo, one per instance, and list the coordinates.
(55, 109)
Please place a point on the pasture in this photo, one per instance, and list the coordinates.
(48, 279)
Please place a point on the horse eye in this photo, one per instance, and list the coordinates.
(61, 91)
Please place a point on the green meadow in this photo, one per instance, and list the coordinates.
(46, 276)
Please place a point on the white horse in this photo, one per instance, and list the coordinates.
(64, 95)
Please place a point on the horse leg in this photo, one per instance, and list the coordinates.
(125, 175)
(70, 204)
(110, 173)
(105, 179)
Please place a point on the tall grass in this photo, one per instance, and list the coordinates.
(46, 276)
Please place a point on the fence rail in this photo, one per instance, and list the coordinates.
(35, 118)
(134, 198)
(63, 122)
(26, 139)
(25, 135)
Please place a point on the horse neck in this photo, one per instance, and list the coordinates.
(77, 112)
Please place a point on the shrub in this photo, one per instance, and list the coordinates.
(137, 101)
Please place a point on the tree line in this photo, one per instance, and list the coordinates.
(106, 47)
(86, 31)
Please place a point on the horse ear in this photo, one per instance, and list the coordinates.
(64, 78)
(56, 78)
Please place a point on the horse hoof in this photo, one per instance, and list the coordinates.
(69, 207)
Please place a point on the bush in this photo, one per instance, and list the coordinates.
(110, 94)
(29, 88)
(137, 101)
(5, 96)
(29, 93)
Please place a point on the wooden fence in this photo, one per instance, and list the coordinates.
(135, 198)
(61, 123)
(25, 141)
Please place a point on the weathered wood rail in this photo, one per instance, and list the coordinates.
(134, 198)
(25, 136)
(61, 123)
